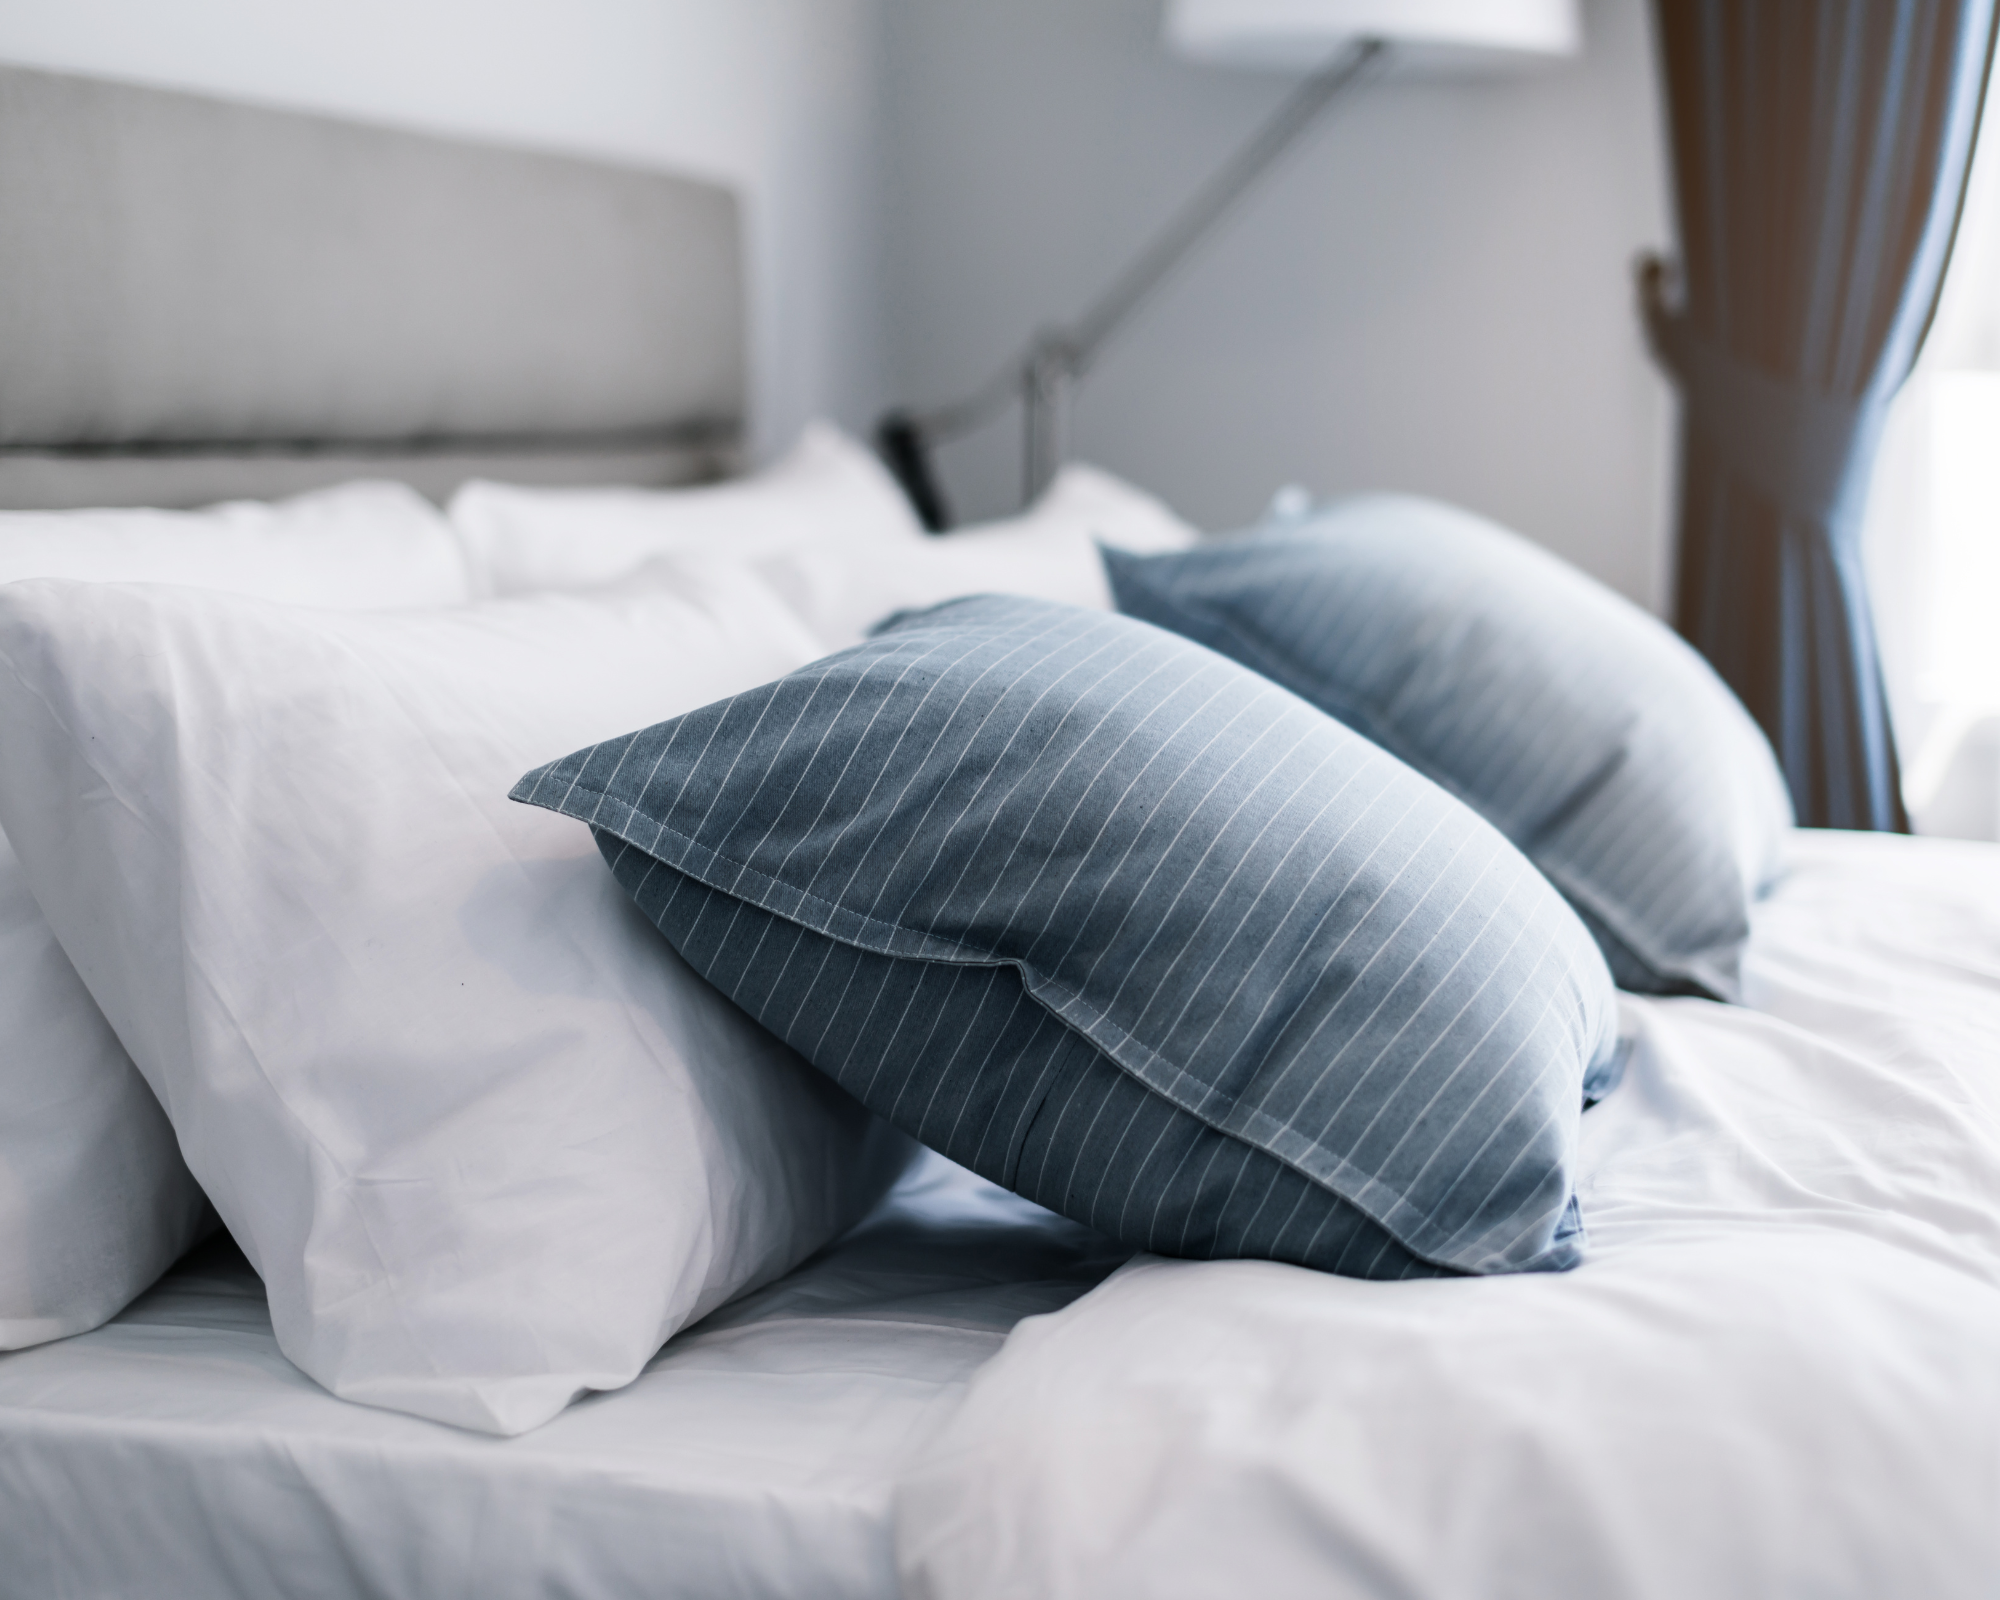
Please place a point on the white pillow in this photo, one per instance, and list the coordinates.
(520, 540)
(1083, 499)
(841, 590)
(486, 1138)
(95, 1201)
(362, 546)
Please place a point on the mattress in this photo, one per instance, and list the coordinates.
(175, 1452)
(1774, 1376)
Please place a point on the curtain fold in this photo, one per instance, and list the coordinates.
(1820, 153)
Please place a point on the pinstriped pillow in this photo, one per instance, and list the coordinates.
(1587, 732)
(1132, 930)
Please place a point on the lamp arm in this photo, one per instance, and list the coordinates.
(1041, 374)
(1300, 109)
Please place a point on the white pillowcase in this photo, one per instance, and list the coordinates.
(95, 1201)
(520, 540)
(486, 1138)
(1083, 499)
(360, 546)
(841, 590)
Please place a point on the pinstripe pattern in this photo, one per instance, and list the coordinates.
(1122, 924)
(1599, 743)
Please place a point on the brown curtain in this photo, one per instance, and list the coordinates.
(1820, 155)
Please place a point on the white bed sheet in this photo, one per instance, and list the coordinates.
(176, 1453)
(1778, 1374)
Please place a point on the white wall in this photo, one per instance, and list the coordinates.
(775, 96)
(1433, 294)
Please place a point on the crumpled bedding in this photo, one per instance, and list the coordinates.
(1777, 1374)
(175, 1452)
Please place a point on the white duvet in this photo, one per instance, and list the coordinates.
(1778, 1374)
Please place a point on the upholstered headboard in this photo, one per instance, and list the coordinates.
(201, 299)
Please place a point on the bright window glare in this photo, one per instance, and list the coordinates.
(1933, 538)
(1962, 661)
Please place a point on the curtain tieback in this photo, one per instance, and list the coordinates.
(1797, 445)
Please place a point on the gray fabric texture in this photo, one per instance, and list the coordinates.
(175, 268)
(1581, 727)
(31, 481)
(1214, 911)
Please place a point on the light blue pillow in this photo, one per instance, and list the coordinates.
(1574, 722)
(1131, 930)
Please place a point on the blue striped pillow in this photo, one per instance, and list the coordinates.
(1574, 722)
(1131, 930)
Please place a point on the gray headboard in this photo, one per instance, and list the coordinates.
(201, 299)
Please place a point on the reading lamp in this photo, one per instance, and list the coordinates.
(1336, 43)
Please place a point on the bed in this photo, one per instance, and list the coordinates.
(1772, 1375)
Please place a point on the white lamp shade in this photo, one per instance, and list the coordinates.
(1428, 37)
